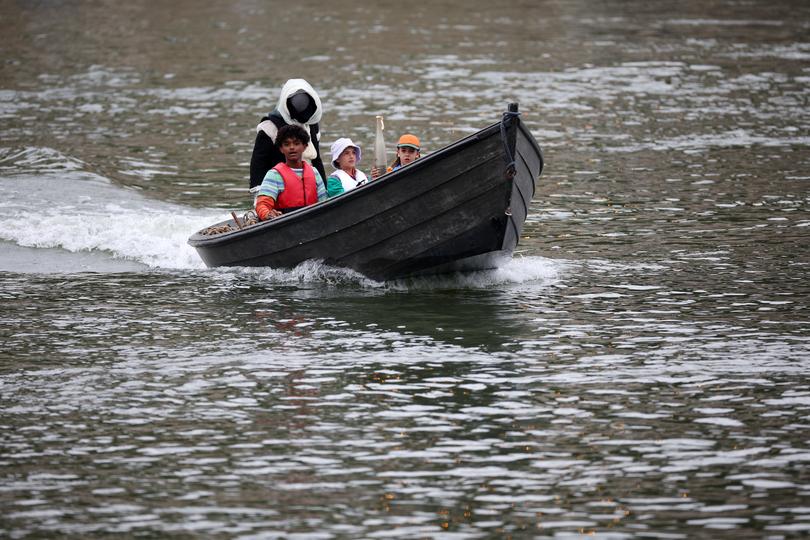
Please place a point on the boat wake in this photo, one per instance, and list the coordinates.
(519, 269)
(513, 271)
(57, 205)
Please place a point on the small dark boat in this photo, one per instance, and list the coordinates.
(461, 208)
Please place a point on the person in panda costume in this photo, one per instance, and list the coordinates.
(298, 103)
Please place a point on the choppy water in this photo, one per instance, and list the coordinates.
(639, 370)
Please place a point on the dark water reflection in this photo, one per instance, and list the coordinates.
(640, 370)
(252, 408)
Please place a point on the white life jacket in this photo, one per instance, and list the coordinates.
(348, 182)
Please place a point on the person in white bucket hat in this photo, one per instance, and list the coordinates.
(345, 157)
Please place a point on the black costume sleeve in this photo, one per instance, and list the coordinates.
(317, 162)
(265, 157)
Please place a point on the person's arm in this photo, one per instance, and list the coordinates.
(334, 186)
(265, 156)
(322, 194)
(317, 163)
(266, 208)
(272, 186)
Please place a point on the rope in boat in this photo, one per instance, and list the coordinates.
(248, 219)
(510, 158)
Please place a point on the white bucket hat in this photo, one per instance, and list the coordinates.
(339, 146)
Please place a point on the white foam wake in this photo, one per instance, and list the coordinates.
(157, 240)
(57, 206)
(512, 271)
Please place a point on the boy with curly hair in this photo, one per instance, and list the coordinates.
(293, 184)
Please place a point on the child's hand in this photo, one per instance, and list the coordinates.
(267, 213)
(265, 208)
(375, 172)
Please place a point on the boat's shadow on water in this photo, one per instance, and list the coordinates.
(485, 310)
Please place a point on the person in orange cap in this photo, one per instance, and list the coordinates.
(408, 149)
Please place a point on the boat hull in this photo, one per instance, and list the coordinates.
(457, 209)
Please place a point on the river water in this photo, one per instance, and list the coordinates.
(638, 370)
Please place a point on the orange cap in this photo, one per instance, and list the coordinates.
(408, 140)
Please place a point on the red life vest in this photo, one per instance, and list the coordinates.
(298, 192)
